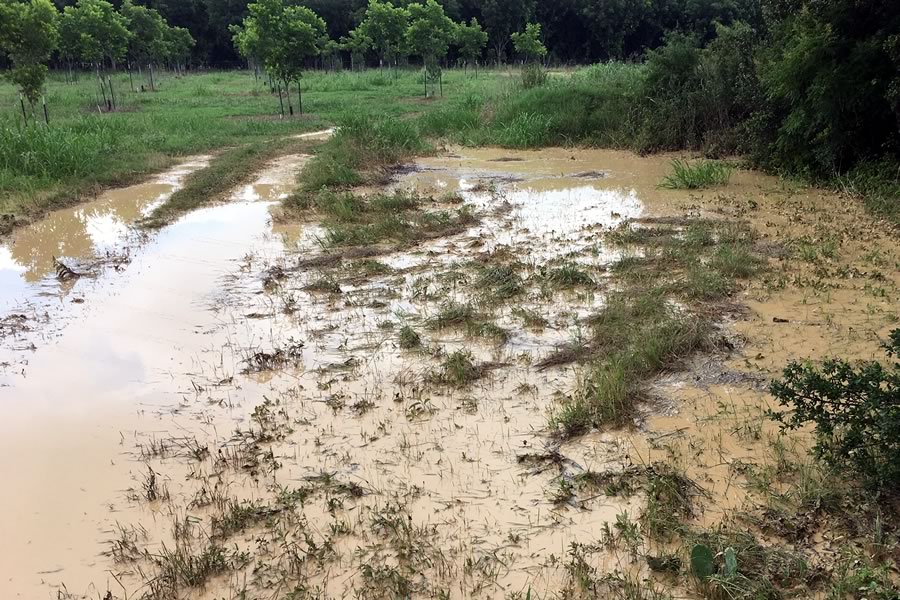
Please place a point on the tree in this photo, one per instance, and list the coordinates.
(385, 25)
(102, 32)
(528, 42)
(502, 18)
(282, 37)
(357, 44)
(147, 43)
(178, 45)
(28, 35)
(429, 35)
(471, 40)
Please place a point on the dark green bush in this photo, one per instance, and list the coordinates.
(855, 411)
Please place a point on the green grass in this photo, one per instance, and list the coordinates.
(459, 369)
(231, 168)
(83, 151)
(702, 174)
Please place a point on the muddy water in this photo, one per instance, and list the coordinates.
(156, 354)
(75, 407)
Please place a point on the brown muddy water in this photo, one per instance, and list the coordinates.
(191, 385)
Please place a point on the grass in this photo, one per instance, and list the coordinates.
(465, 316)
(84, 151)
(233, 167)
(702, 174)
(459, 369)
(568, 275)
(408, 338)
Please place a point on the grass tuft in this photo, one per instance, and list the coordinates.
(702, 174)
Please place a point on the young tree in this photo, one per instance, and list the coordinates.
(502, 18)
(528, 42)
(357, 44)
(178, 45)
(471, 40)
(28, 35)
(385, 24)
(283, 37)
(103, 33)
(429, 35)
(147, 43)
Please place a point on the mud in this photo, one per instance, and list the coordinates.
(410, 486)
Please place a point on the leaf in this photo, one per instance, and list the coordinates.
(731, 564)
(702, 562)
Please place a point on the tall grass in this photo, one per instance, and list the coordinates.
(702, 174)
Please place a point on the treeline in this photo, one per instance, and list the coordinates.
(91, 33)
(575, 31)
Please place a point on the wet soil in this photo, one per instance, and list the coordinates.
(220, 388)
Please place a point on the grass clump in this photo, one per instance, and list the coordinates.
(568, 275)
(362, 145)
(408, 338)
(702, 174)
(459, 369)
(465, 316)
(634, 338)
(398, 217)
(500, 282)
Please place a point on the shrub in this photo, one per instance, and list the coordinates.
(533, 75)
(855, 410)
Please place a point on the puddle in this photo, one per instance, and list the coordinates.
(406, 484)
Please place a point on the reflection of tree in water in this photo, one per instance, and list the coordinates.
(77, 232)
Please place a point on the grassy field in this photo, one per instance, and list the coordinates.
(83, 150)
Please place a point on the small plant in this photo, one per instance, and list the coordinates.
(408, 338)
(687, 176)
(459, 369)
(855, 410)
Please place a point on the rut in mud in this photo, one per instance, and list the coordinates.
(256, 405)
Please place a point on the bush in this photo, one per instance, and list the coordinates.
(533, 75)
(855, 410)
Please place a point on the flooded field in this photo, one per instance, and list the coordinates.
(252, 405)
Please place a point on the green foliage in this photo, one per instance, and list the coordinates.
(533, 75)
(430, 31)
(855, 411)
(702, 562)
(830, 74)
(280, 37)
(28, 36)
(95, 32)
(702, 174)
(385, 24)
(528, 43)
(471, 40)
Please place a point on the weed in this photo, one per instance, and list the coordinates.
(568, 275)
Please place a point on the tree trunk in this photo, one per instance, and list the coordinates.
(46, 114)
(150, 69)
(24, 114)
(281, 100)
(112, 94)
(130, 78)
(287, 87)
(300, 97)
